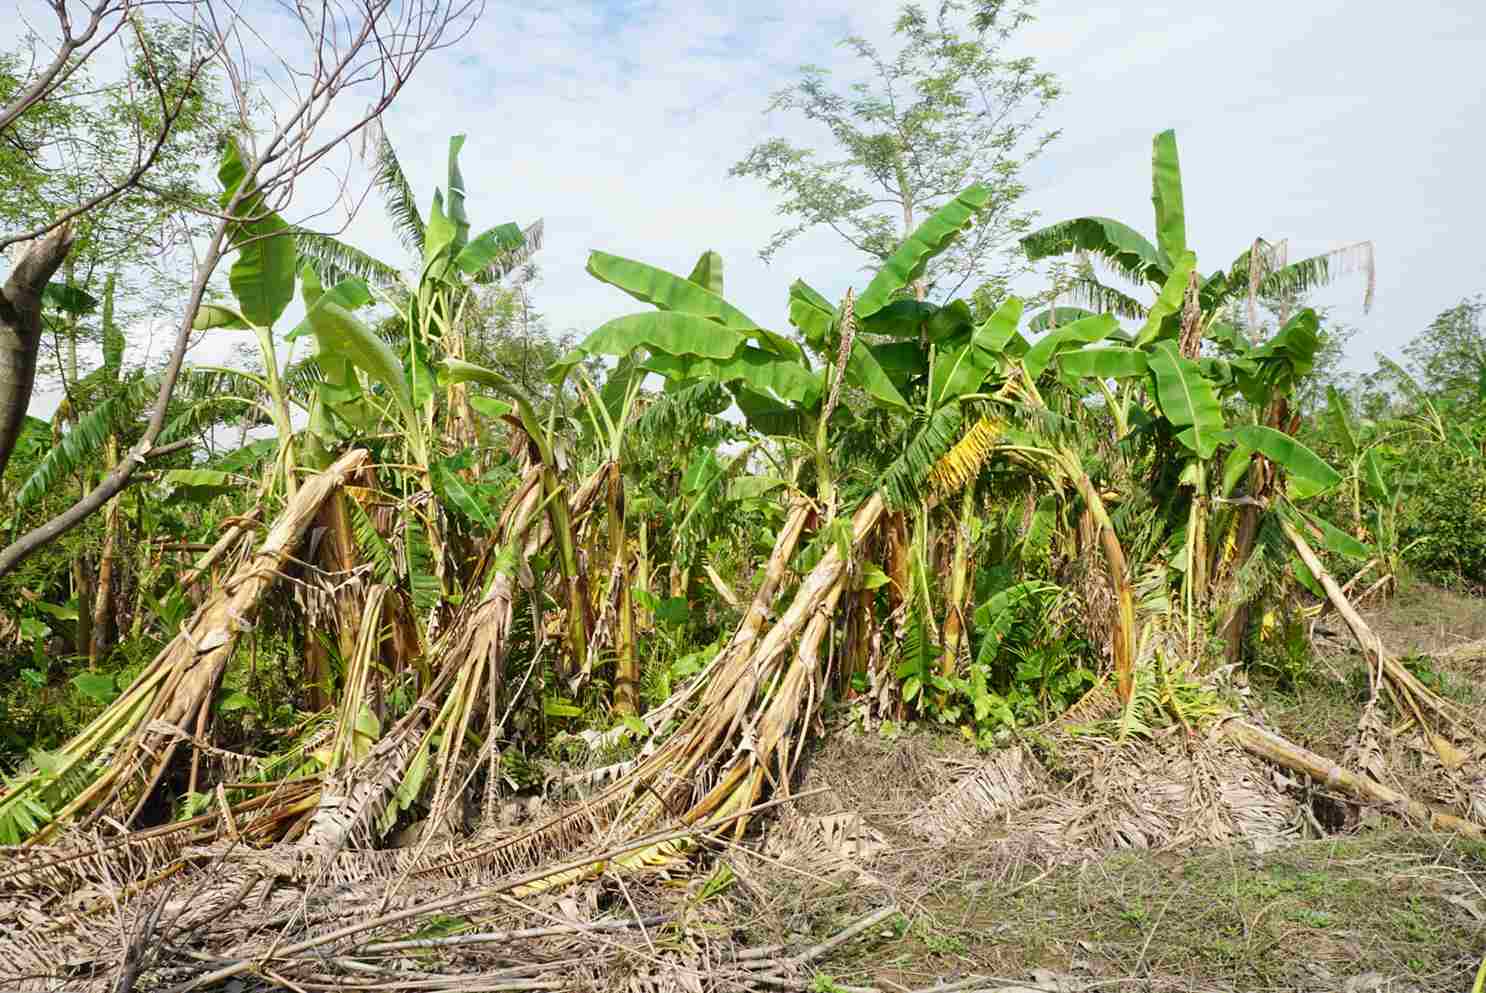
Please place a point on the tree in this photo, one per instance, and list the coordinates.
(1449, 356)
(948, 110)
(364, 52)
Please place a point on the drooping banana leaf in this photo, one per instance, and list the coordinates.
(665, 333)
(1291, 353)
(1235, 467)
(1056, 317)
(1335, 540)
(755, 368)
(262, 275)
(68, 298)
(1308, 472)
(1188, 400)
(900, 319)
(1341, 421)
(340, 337)
(1125, 249)
(930, 238)
(1084, 331)
(766, 415)
(200, 484)
(812, 313)
(477, 256)
(210, 316)
(1104, 362)
(1372, 474)
(666, 291)
(958, 371)
(864, 371)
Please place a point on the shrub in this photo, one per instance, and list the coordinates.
(1443, 524)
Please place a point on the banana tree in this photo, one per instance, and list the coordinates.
(262, 282)
(450, 265)
(1261, 272)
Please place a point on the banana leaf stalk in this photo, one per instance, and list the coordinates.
(959, 586)
(736, 740)
(111, 754)
(362, 801)
(1415, 699)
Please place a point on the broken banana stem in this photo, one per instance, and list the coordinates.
(1270, 746)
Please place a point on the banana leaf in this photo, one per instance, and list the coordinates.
(1188, 400)
(930, 238)
(1308, 472)
(262, 275)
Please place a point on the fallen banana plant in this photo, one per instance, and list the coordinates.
(114, 764)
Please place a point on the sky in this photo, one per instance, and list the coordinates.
(1324, 122)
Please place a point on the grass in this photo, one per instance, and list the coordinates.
(1306, 917)
(1378, 906)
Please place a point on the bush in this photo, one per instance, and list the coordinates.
(1443, 520)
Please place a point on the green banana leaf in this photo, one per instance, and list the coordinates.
(475, 257)
(901, 361)
(1169, 303)
(1124, 248)
(438, 237)
(665, 333)
(900, 319)
(930, 238)
(457, 216)
(1166, 196)
(1235, 467)
(766, 415)
(340, 337)
(211, 315)
(666, 291)
(1372, 475)
(200, 484)
(262, 275)
(1308, 472)
(812, 313)
(755, 368)
(1104, 362)
(960, 371)
(1081, 332)
(451, 488)
(1337, 541)
(865, 372)
(68, 299)
(707, 273)
(1056, 317)
(1341, 421)
(1188, 400)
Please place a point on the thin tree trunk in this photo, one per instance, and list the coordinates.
(626, 669)
(20, 331)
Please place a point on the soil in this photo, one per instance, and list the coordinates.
(1374, 907)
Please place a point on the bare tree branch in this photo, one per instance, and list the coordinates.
(355, 46)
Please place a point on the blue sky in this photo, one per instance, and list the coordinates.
(1323, 121)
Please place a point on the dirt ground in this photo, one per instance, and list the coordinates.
(1373, 907)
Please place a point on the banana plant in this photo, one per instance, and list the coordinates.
(262, 282)
(1261, 272)
(450, 265)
